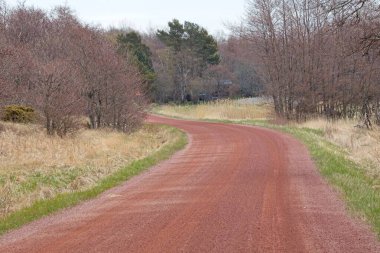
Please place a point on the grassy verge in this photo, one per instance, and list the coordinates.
(360, 190)
(64, 200)
(34, 166)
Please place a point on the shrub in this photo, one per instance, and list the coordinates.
(19, 114)
(66, 125)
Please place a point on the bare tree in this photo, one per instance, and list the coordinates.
(65, 70)
(310, 62)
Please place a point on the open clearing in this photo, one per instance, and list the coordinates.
(233, 189)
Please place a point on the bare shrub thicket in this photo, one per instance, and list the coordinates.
(65, 70)
(317, 57)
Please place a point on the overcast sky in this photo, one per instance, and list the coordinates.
(144, 14)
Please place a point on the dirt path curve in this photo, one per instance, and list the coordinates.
(233, 189)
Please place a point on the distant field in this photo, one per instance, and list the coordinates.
(36, 167)
(243, 109)
(349, 157)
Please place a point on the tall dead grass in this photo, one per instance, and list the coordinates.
(362, 145)
(34, 166)
(220, 110)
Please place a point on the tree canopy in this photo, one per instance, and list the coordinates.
(193, 37)
(193, 51)
(131, 45)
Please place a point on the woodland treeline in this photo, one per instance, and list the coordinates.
(312, 57)
(67, 70)
(70, 72)
(193, 66)
(317, 57)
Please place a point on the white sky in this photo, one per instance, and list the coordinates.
(144, 14)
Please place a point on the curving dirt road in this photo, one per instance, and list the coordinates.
(233, 189)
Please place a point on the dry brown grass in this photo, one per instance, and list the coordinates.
(362, 145)
(220, 110)
(34, 166)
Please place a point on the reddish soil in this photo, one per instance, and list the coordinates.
(233, 189)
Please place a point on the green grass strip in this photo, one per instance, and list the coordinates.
(43, 208)
(358, 189)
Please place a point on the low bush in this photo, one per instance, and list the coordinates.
(64, 126)
(19, 114)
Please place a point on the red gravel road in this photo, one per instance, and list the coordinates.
(233, 189)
